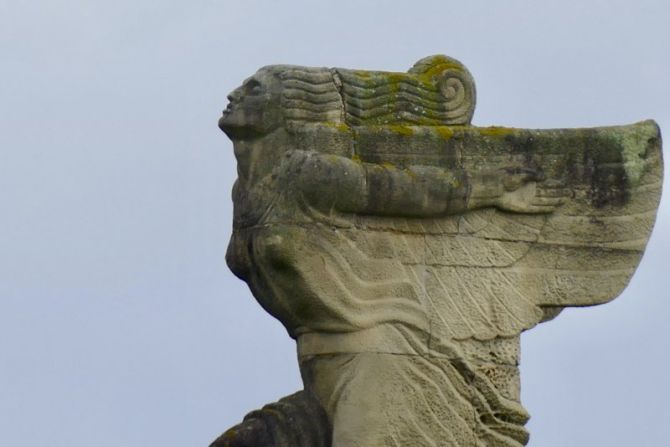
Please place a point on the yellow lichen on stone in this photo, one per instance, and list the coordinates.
(342, 127)
(497, 131)
(441, 63)
(445, 132)
(402, 130)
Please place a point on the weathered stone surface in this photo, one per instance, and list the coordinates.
(406, 250)
(297, 419)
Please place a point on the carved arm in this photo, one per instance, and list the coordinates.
(347, 185)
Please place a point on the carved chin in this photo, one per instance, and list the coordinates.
(225, 123)
(238, 126)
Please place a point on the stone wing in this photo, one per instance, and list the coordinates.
(490, 273)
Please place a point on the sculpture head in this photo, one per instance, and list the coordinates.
(254, 108)
(279, 96)
(436, 91)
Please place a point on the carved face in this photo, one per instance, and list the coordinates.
(255, 107)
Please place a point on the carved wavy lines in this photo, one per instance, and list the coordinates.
(392, 297)
(295, 107)
(462, 313)
(395, 103)
(368, 110)
(370, 103)
(304, 105)
(310, 95)
(315, 89)
(309, 75)
(432, 98)
(311, 92)
(372, 98)
(394, 112)
(299, 97)
(382, 305)
(402, 99)
(374, 80)
(327, 281)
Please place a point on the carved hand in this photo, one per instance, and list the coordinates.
(526, 191)
(519, 190)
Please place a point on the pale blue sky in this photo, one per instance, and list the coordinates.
(120, 324)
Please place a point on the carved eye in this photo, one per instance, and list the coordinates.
(253, 87)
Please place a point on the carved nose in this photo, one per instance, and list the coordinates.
(235, 95)
(232, 97)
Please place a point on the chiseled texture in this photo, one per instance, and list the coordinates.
(297, 419)
(406, 250)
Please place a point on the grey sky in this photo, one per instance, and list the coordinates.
(120, 324)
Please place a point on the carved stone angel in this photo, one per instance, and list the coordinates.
(406, 250)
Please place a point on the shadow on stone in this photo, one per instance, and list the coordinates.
(297, 420)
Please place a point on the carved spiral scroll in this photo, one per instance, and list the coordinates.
(452, 84)
(455, 84)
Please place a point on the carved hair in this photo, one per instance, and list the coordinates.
(437, 90)
(310, 95)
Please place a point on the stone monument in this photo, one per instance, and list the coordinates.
(406, 251)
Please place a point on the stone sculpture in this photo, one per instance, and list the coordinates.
(406, 250)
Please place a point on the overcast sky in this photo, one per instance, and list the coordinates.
(120, 324)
